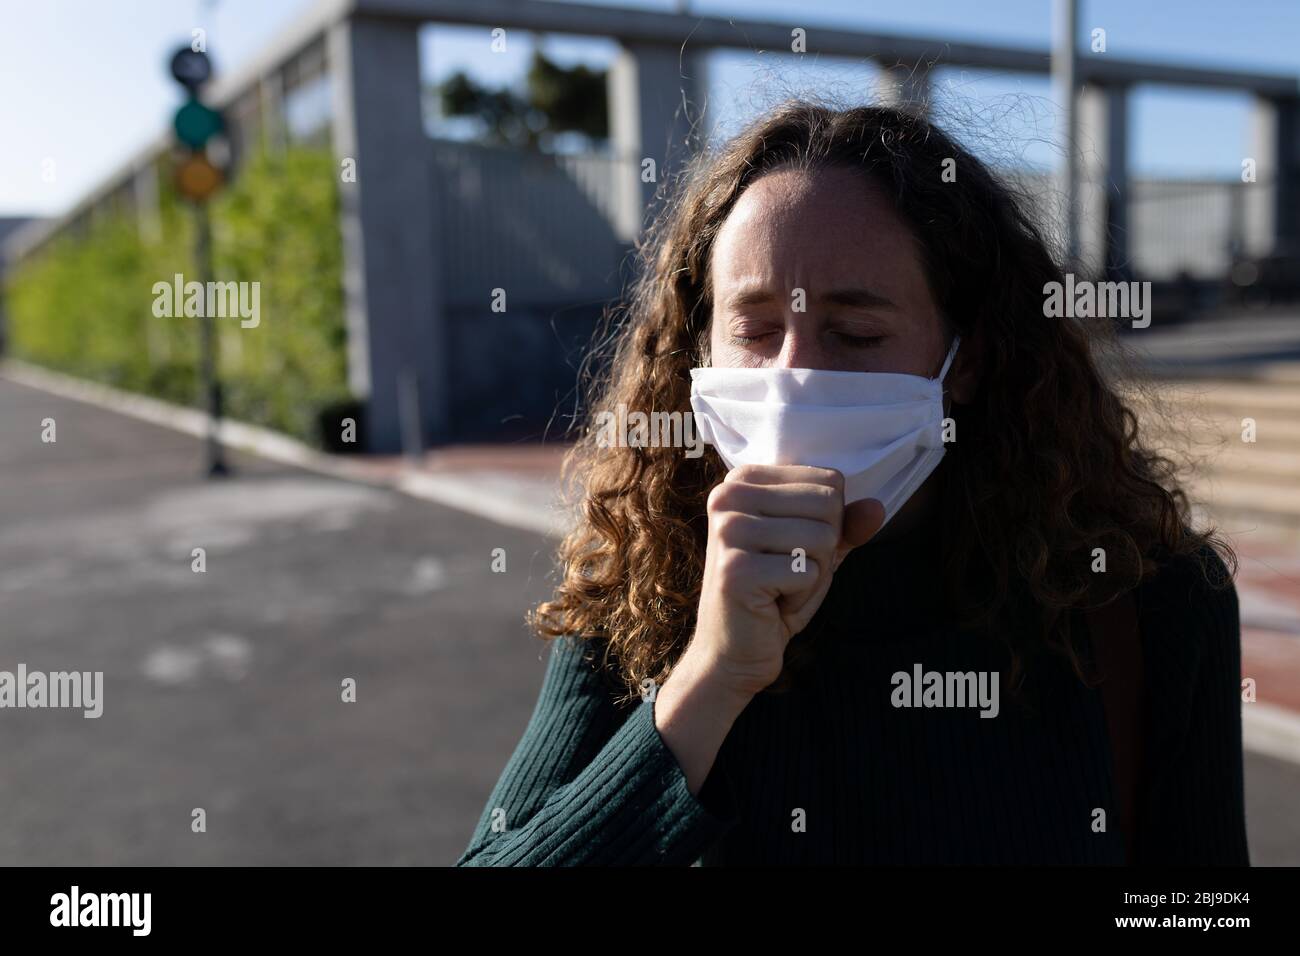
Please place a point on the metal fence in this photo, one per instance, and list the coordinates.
(1195, 227)
(543, 227)
(547, 228)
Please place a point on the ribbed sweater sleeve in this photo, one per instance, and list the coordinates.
(1192, 635)
(587, 785)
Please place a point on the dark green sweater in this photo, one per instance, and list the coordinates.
(834, 772)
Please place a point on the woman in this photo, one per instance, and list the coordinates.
(748, 669)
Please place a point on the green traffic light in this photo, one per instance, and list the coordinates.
(195, 124)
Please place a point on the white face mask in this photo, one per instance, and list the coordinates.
(882, 430)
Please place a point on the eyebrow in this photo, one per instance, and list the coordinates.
(852, 296)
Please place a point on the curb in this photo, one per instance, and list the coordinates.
(1270, 731)
(469, 493)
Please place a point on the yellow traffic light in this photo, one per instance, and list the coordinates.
(196, 178)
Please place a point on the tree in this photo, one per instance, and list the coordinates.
(557, 100)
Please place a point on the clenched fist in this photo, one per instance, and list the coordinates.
(776, 535)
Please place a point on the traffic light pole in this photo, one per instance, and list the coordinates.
(196, 180)
(210, 385)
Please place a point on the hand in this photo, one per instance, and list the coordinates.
(754, 597)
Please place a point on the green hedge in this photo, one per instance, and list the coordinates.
(83, 303)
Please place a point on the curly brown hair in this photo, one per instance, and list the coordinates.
(1049, 466)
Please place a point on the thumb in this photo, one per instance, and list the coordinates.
(862, 519)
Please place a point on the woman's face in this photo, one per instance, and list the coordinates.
(816, 270)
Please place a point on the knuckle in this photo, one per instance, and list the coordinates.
(825, 502)
(727, 525)
(720, 497)
(834, 478)
(732, 569)
(829, 496)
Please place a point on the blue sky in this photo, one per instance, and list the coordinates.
(83, 83)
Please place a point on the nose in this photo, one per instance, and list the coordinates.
(800, 349)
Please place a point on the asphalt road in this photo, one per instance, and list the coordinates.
(223, 689)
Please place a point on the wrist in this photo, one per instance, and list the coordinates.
(707, 675)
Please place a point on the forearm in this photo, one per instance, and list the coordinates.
(584, 789)
(694, 711)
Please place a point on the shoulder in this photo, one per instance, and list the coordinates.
(1190, 592)
(1190, 625)
(1191, 639)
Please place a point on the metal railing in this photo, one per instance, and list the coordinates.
(543, 227)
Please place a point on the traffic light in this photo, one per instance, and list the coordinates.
(196, 178)
(197, 127)
(195, 124)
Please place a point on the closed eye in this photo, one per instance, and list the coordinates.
(861, 341)
(750, 339)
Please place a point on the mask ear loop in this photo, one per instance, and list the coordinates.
(952, 354)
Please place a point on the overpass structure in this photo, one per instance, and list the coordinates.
(406, 356)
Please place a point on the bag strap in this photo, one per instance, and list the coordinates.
(1117, 650)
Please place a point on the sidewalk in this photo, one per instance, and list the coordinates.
(517, 485)
(1268, 585)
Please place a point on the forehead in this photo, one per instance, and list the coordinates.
(826, 226)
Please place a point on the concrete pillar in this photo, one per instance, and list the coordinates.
(1273, 200)
(905, 87)
(397, 336)
(148, 206)
(1065, 88)
(270, 90)
(655, 113)
(1103, 182)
